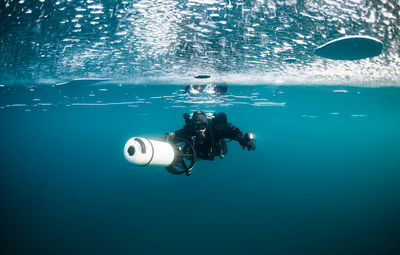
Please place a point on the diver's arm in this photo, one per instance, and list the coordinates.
(245, 140)
(232, 132)
(184, 132)
(180, 133)
(224, 129)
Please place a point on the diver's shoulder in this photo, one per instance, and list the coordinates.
(220, 120)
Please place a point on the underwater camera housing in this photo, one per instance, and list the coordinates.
(178, 157)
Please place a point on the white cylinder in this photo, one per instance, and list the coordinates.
(142, 151)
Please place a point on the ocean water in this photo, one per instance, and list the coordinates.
(79, 78)
(323, 180)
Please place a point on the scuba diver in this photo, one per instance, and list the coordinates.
(207, 134)
(203, 137)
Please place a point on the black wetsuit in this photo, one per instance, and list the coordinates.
(212, 144)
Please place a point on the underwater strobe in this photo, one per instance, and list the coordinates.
(177, 157)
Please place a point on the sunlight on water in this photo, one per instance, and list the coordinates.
(38, 98)
(150, 41)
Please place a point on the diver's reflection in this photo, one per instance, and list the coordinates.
(206, 89)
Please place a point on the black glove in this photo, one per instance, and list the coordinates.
(167, 137)
(247, 140)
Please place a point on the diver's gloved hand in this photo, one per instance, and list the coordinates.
(168, 136)
(247, 140)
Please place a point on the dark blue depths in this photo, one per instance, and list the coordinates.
(323, 180)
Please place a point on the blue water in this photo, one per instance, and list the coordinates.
(323, 180)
